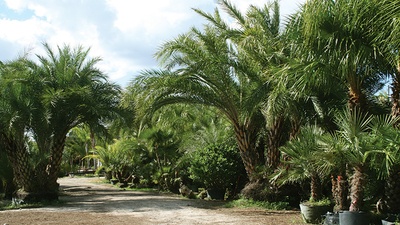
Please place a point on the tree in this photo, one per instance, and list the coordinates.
(257, 35)
(338, 45)
(61, 91)
(302, 154)
(209, 71)
(78, 145)
(364, 145)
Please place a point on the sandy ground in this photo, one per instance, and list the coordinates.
(88, 201)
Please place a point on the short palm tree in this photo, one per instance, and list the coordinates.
(302, 157)
(364, 145)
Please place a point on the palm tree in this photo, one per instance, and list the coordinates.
(337, 44)
(302, 160)
(257, 36)
(77, 146)
(63, 90)
(209, 71)
(14, 117)
(365, 145)
(386, 32)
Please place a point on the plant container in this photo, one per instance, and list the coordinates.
(216, 194)
(353, 218)
(312, 213)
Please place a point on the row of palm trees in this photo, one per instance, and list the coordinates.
(268, 79)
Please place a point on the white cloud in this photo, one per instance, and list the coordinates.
(124, 33)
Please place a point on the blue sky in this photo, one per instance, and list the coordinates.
(124, 33)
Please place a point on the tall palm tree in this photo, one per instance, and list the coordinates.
(64, 89)
(337, 44)
(209, 70)
(386, 32)
(258, 36)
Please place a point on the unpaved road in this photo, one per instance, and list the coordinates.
(88, 201)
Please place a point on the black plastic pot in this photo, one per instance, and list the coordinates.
(217, 194)
(353, 218)
(114, 181)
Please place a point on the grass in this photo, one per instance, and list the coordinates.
(248, 203)
(9, 204)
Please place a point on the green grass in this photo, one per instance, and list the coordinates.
(248, 203)
(9, 205)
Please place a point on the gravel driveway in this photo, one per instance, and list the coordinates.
(89, 201)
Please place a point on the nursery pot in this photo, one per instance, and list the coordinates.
(114, 181)
(217, 194)
(386, 222)
(313, 213)
(331, 219)
(353, 218)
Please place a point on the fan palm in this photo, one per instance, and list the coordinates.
(364, 145)
(302, 160)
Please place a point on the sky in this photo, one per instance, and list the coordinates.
(124, 33)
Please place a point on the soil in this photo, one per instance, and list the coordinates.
(91, 201)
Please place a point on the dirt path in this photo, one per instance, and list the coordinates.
(89, 202)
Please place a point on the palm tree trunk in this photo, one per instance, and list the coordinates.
(392, 191)
(274, 142)
(357, 99)
(19, 160)
(357, 188)
(54, 166)
(340, 189)
(248, 150)
(316, 188)
(395, 96)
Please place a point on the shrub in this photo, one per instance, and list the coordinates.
(217, 166)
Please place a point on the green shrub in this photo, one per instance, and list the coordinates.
(247, 203)
(216, 166)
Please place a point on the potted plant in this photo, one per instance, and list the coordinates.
(366, 146)
(217, 167)
(302, 164)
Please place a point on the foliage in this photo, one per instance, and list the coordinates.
(50, 95)
(249, 203)
(366, 142)
(216, 166)
(122, 158)
(302, 158)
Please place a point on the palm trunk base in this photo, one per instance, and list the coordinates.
(37, 196)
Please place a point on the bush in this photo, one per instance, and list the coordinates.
(217, 166)
(248, 203)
